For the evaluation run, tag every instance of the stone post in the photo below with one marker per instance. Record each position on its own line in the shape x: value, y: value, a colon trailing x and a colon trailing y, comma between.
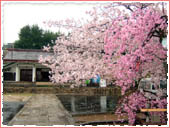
x: 73, y: 107
x: 103, y: 103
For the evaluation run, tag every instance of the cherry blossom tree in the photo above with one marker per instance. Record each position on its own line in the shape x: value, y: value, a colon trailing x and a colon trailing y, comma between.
x: 121, y: 44
x: 134, y: 51
x: 78, y: 56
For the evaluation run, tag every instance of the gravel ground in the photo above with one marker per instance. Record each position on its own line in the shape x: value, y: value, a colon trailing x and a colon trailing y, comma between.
x: 16, y: 97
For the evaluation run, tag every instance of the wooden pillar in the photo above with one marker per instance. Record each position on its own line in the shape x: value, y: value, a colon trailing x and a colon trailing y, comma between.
x: 17, y: 75
x: 147, y: 113
x: 34, y: 74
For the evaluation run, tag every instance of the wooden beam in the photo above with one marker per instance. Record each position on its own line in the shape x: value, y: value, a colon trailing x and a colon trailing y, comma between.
x: 98, y: 117
x: 154, y: 110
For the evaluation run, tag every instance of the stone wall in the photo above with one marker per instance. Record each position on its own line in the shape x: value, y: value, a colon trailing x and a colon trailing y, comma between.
x: 64, y: 90
x: 89, y: 91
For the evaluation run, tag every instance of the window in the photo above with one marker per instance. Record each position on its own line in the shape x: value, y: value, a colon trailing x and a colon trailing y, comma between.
x: 163, y: 84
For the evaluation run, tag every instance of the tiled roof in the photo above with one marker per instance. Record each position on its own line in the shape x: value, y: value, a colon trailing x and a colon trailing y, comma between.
x: 24, y: 55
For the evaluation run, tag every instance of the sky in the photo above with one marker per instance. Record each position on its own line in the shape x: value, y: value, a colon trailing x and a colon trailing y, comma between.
x: 16, y: 15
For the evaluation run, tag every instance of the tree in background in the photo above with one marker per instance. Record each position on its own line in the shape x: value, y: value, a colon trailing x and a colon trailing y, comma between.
x: 121, y: 45
x: 32, y: 37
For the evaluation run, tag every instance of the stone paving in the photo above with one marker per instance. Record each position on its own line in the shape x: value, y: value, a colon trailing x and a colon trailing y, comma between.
x: 43, y: 110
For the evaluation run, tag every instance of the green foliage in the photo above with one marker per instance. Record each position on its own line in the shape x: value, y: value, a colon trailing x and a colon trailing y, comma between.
x: 32, y: 37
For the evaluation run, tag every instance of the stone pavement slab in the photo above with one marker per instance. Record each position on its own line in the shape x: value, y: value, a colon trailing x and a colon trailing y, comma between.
x: 43, y: 110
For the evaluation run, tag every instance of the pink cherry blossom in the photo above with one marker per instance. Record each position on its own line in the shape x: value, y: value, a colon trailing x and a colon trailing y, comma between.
x: 119, y: 44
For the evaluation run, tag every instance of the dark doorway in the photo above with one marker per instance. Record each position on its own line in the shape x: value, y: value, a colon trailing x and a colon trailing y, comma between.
x: 26, y: 75
x: 9, y: 76
x: 42, y: 75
